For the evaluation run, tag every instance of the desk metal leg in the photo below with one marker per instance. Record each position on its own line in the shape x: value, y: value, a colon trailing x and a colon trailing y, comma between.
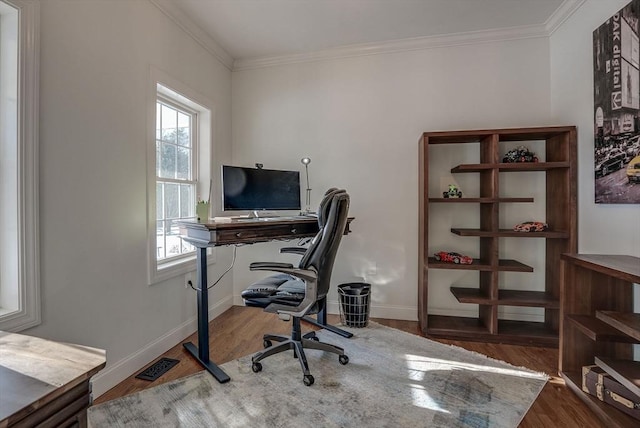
x: 201, y: 353
x: 321, y: 321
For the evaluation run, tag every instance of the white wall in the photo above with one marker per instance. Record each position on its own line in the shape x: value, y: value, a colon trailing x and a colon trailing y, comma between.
x: 95, y: 69
x: 603, y: 228
x: 359, y: 119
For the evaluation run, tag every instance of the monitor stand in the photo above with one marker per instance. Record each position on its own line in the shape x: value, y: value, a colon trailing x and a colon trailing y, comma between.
x: 256, y: 214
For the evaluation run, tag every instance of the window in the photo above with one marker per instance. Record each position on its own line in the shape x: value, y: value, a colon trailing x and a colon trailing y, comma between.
x: 176, y: 148
x: 179, y: 172
x: 19, y: 262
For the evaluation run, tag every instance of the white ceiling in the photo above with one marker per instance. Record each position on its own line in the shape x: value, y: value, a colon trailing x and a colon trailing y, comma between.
x: 251, y: 29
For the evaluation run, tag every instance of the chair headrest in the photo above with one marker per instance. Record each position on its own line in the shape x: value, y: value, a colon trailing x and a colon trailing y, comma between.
x: 325, y: 206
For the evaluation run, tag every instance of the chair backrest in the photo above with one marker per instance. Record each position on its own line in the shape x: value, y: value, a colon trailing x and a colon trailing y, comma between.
x: 332, y: 221
x: 323, y: 213
x: 324, y: 205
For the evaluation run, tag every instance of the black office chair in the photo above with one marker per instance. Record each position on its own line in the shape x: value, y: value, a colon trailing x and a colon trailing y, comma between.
x: 283, y: 294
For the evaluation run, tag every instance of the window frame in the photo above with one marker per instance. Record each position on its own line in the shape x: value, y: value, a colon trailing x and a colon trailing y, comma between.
x: 27, y: 262
x: 162, y: 86
x: 193, y: 181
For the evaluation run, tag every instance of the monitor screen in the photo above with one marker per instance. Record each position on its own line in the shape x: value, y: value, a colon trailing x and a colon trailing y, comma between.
x: 259, y: 189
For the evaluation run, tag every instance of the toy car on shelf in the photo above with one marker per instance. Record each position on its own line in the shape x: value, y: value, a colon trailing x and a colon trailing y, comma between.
x: 521, y: 154
x: 531, y: 226
x: 449, y: 257
x: 453, y: 192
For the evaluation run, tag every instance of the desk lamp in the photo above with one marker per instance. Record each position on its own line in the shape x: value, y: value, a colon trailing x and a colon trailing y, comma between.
x: 306, y: 162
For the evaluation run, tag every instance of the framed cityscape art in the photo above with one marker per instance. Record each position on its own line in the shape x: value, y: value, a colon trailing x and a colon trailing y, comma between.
x: 616, y: 95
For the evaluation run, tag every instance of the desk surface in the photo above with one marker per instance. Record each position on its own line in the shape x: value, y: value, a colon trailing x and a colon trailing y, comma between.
x: 235, y: 222
x: 33, y: 371
x: 250, y: 230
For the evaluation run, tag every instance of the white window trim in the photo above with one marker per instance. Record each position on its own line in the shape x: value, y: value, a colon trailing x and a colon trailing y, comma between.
x: 28, y: 313
x: 173, y: 89
x: 172, y: 102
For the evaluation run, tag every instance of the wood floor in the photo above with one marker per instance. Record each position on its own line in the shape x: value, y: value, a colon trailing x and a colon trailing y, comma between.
x: 239, y: 331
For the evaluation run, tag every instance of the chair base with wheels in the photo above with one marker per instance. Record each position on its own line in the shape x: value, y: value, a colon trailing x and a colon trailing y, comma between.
x: 298, y: 343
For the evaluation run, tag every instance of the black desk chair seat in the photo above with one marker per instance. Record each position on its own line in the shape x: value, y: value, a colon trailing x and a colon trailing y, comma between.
x: 299, y: 291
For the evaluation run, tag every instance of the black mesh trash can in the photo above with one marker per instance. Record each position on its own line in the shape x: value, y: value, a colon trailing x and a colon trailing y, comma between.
x: 355, y: 299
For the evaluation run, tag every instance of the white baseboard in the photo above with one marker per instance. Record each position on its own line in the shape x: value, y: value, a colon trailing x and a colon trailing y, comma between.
x: 120, y: 370
x: 383, y: 311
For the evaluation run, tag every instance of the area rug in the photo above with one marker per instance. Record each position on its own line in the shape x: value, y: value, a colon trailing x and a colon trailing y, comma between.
x: 392, y: 379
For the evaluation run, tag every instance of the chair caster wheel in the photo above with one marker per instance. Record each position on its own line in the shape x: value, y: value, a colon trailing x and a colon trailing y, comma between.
x: 308, y: 380
x: 256, y: 367
x: 266, y: 343
x: 343, y: 359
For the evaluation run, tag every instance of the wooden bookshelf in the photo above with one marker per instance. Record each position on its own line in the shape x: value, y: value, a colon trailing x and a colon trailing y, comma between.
x: 597, y: 330
x: 598, y: 326
x: 626, y: 322
x: 506, y: 297
x: 504, y: 233
x: 479, y: 200
x: 559, y: 169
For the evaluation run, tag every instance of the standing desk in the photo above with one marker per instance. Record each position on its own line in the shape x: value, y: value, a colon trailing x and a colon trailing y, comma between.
x: 240, y: 231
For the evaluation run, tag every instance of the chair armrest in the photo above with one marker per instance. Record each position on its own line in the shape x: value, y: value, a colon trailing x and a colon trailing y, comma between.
x: 310, y: 298
x: 304, y: 274
x: 269, y: 265
x: 310, y: 278
x: 294, y: 250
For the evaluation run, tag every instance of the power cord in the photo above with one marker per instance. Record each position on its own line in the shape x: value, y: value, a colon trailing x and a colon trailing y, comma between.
x: 233, y: 261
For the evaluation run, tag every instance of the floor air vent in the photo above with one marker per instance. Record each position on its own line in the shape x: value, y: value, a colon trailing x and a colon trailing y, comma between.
x: 157, y: 369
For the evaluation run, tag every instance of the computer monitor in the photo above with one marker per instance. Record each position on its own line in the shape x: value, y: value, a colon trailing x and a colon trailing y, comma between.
x: 257, y: 189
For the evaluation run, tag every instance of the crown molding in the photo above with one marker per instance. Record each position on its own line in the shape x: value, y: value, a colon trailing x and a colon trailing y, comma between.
x: 173, y: 12
x: 566, y: 9
x: 402, y: 45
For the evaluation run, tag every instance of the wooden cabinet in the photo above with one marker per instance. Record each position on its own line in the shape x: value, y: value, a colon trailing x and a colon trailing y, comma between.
x: 45, y: 383
x: 558, y: 165
x: 599, y: 327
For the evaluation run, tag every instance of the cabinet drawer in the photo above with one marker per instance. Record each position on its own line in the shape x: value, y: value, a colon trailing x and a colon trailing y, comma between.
x: 266, y: 233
